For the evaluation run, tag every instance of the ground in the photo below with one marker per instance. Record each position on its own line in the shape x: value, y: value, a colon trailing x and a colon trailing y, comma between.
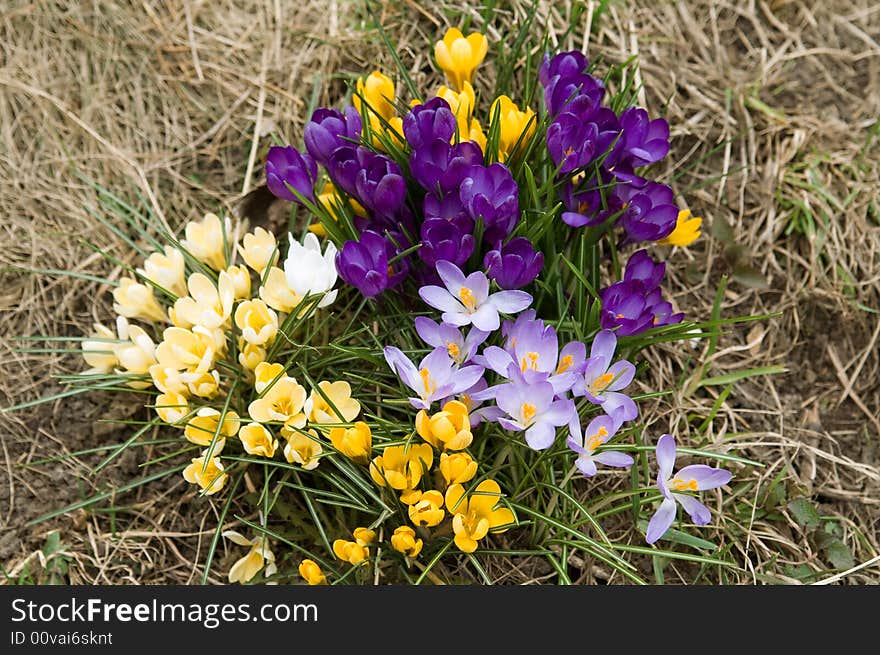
x: 773, y: 107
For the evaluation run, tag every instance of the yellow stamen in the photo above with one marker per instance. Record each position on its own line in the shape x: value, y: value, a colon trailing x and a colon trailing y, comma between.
x: 681, y: 485
x: 597, y: 439
x: 428, y: 381
x: 530, y: 361
x: 565, y: 364
x: 528, y: 411
x: 601, y: 382
x: 468, y: 299
x: 453, y: 349
x: 620, y: 316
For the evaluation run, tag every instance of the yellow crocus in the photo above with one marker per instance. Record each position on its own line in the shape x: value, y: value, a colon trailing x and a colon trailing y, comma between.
x: 265, y: 374
x: 404, y: 541
x: 276, y: 292
x: 332, y: 202
x: 259, y: 249
x: 312, y: 573
x: 98, y: 350
x: 249, y: 355
x: 207, y: 305
x: 374, y: 98
x: 318, y: 410
x: 449, y: 429
x: 166, y: 269
x: 203, y: 385
x: 201, y: 428
x: 191, y: 350
x: 171, y: 407
x: 459, y: 56
x: 281, y: 403
x: 687, y: 230
x: 241, y: 281
x: 258, y: 557
x: 402, y: 467
x: 428, y: 510
x: 132, y: 299
x: 457, y: 468
x: 355, y: 552
x: 517, y: 127
x: 212, y: 479
x: 475, y: 516
x: 257, y: 322
x: 462, y: 104
x: 257, y: 440
x: 204, y: 240
x: 355, y: 442
x: 303, y: 449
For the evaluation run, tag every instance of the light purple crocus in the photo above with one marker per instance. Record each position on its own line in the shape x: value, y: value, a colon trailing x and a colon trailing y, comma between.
x: 598, y: 432
x: 466, y: 300
x: 603, y: 380
x: 473, y: 398
x: 535, y: 409
x: 460, y: 348
x: 696, y: 477
x: 436, y: 377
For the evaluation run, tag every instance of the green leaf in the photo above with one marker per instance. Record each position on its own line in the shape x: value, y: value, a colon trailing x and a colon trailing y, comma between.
x: 804, y: 513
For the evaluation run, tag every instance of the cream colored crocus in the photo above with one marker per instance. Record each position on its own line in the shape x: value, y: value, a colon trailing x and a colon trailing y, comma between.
x: 517, y: 127
x: 281, y: 403
x: 259, y: 557
x: 132, y: 299
x: 457, y: 468
x: 136, y: 356
x: 210, y: 478
x: 207, y: 305
x: 266, y: 373
x: 459, y: 56
x: 474, y: 516
x: 276, y: 292
x: 449, y: 429
x: 257, y: 322
x: 257, y: 440
x: 404, y: 541
x: 428, y: 510
x: 169, y: 380
x: 205, y: 240
x: 241, y: 281
x: 687, y: 230
x: 319, y: 408
x: 303, y: 449
x: 171, y: 407
x: 204, y: 385
x: 202, y: 427
x: 99, y: 350
x: 192, y: 350
x: 259, y: 249
x: 312, y: 573
x: 249, y: 355
x: 355, y: 442
x: 166, y: 269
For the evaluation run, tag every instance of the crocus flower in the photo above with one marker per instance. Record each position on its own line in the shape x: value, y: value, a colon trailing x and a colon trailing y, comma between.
x: 603, y: 381
x: 687, y: 230
x: 241, y: 281
x: 436, y: 377
x: 402, y: 467
x: 132, y: 299
x: 649, y: 213
x: 204, y: 240
x: 167, y: 270
x: 330, y: 129
x: 135, y: 356
x: 171, y: 407
x: 581, y: 134
x: 425, y: 509
x: 565, y: 77
x: 491, y: 193
x: 257, y: 440
x: 460, y: 348
x: 598, y: 432
x: 355, y: 552
x: 258, y: 323
x: 364, y: 264
x: 355, y: 442
x: 287, y: 167
x: 249, y: 355
x: 466, y: 300
x: 191, y: 350
x: 259, y: 556
x: 280, y: 403
x: 308, y: 271
x: 444, y: 240
x: 404, y: 541
x: 515, y: 264
x: 461, y: 104
x: 311, y: 572
x: 457, y: 468
x: 696, y: 477
x: 207, y: 305
x: 449, y: 429
x: 210, y: 478
x: 318, y: 410
x: 98, y: 349
x: 474, y: 516
x: 429, y: 122
x: 374, y: 99
x: 202, y: 427
x: 303, y: 449
x: 277, y: 293
x: 516, y: 127
x: 535, y: 409
x: 259, y: 249
x: 379, y: 183
x: 459, y: 56
x: 643, y: 141
x: 644, y: 270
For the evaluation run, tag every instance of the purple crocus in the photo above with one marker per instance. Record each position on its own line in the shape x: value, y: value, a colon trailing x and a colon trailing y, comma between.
x: 587, y: 204
x: 603, y: 381
x: 581, y: 134
x: 535, y: 409
x: 379, y: 184
x: 696, y: 477
x: 598, y: 432
x: 644, y: 270
x: 436, y: 377
x: 330, y: 129
x: 428, y: 122
x: 466, y: 300
x: 460, y: 348
x: 444, y: 240
x: 491, y: 193
x: 635, y: 303
x: 364, y: 264
x: 515, y: 264
x: 565, y: 77
x: 649, y: 213
x: 286, y: 166
x: 642, y: 141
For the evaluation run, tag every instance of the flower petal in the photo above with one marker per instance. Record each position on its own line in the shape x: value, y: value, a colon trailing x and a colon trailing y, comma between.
x: 661, y: 521
x: 698, y: 512
x: 706, y: 477
x: 510, y: 302
x: 665, y: 454
x: 540, y: 436
x: 440, y: 298
x: 614, y: 458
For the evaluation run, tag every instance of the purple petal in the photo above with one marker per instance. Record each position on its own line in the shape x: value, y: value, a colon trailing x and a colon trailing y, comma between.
x: 614, y: 458
x: 604, y: 344
x: 698, y: 512
x: 451, y: 276
x: 429, y: 331
x: 706, y: 477
x: 586, y: 465
x: 623, y: 373
x: 619, y: 406
x: 440, y: 298
x: 665, y: 454
x: 661, y: 521
x: 540, y: 436
x: 497, y: 359
x: 402, y: 366
x: 510, y: 302
x: 465, y: 378
x: 507, y: 424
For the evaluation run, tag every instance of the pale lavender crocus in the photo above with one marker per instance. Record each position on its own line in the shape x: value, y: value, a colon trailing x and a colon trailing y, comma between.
x: 603, y: 380
x: 696, y: 477
x: 460, y: 348
x: 598, y: 432
x: 467, y: 301
x: 435, y: 378
x: 535, y: 409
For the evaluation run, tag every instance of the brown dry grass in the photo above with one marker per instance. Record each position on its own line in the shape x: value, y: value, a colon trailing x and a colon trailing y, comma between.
x: 773, y: 106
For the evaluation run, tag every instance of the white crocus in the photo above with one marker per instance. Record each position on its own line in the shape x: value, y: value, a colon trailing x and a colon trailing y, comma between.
x: 310, y: 272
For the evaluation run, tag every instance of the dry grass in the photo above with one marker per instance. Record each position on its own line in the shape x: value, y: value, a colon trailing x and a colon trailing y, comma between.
x: 774, y: 109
